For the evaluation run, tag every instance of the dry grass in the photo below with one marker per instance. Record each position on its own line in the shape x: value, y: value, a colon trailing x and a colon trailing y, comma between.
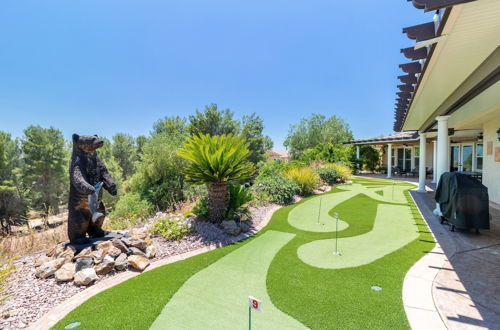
x: 16, y: 246
x: 6, y: 268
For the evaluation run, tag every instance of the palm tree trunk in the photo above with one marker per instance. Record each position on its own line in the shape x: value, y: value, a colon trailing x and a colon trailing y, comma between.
x: 217, y: 201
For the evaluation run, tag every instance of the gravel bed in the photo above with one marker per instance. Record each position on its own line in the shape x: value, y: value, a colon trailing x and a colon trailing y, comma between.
x: 31, y: 297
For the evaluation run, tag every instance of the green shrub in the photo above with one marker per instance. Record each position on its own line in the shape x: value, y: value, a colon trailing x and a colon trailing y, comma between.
x: 277, y: 167
x: 344, y: 172
x: 201, y: 208
x: 306, y: 179
x: 173, y: 227
x: 278, y: 189
x: 328, y: 175
x: 129, y: 209
x: 239, y: 196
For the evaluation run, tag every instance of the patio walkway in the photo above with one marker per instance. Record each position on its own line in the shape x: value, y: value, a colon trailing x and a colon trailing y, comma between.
x: 466, y: 290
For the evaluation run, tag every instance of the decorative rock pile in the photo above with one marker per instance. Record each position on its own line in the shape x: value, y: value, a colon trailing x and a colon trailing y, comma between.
x: 84, y: 264
x: 231, y: 227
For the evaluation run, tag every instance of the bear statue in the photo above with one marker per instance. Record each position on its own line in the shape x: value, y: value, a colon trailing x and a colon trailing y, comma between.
x: 88, y: 174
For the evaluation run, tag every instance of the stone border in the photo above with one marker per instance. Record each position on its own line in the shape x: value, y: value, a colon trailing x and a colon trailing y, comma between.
x: 418, y: 299
x: 60, y: 311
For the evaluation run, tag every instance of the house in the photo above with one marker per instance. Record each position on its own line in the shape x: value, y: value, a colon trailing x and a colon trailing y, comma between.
x: 278, y: 154
x: 448, y: 101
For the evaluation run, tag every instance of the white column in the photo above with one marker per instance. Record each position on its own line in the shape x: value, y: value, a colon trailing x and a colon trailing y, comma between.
x: 442, y: 151
x: 434, y: 162
x: 389, y: 160
x: 421, y: 164
x: 357, y: 152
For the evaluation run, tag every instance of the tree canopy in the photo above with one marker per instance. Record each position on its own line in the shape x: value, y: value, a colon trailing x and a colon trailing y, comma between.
x: 314, y: 130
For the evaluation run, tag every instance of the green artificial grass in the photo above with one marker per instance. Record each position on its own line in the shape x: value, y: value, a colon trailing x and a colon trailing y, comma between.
x: 305, y: 295
x: 343, y: 298
x: 219, y: 293
x: 394, y: 228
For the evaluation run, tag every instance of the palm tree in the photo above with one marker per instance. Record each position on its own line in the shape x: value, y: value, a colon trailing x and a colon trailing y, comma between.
x: 215, y: 160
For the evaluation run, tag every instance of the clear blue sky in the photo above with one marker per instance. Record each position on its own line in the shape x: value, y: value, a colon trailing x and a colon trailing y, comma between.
x: 103, y: 67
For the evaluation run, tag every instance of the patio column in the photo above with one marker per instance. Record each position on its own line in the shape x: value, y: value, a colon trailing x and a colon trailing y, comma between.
x: 442, y: 151
x: 421, y: 164
x: 357, y: 152
x: 434, y: 162
x: 389, y: 160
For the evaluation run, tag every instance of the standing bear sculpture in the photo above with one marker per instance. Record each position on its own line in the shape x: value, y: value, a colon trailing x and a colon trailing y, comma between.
x: 88, y: 174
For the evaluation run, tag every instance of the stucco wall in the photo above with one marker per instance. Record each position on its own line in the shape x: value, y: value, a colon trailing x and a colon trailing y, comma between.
x: 491, y: 169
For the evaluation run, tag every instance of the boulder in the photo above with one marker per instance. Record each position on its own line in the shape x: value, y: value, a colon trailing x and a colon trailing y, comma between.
x: 230, y: 227
x: 65, y: 273
x: 138, y: 262
x: 114, y: 251
x: 151, y: 251
x: 49, y: 268
x: 85, y: 276
x: 108, y: 259
x: 67, y: 254
x: 106, y: 245
x: 138, y: 243
x: 136, y: 251
x: 104, y: 267
x: 120, y: 245
x: 85, y: 253
x: 98, y: 255
x: 43, y: 259
x: 55, y: 251
x: 245, y: 226
x: 83, y: 263
x: 121, y: 262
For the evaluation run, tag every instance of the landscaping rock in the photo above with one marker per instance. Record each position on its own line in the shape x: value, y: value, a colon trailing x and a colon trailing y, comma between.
x: 85, y: 276
x: 65, y: 273
x: 151, y: 251
x: 124, y: 233
x: 98, y: 255
x: 230, y: 227
x: 245, y: 226
x: 49, y: 268
x: 83, y: 263
x: 108, y: 259
x: 121, y: 262
x: 85, y: 253
x: 67, y: 254
x: 136, y: 251
x: 104, y: 245
x: 114, y: 251
x: 138, y: 243
x: 120, y: 245
x: 104, y: 267
x: 40, y: 261
x: 138, y: 262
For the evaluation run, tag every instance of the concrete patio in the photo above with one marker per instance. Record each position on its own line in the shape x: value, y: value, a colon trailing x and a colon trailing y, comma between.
x: 465, y: 289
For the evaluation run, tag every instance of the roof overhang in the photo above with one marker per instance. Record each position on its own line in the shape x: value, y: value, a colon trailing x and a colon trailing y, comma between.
x: 473, y: 35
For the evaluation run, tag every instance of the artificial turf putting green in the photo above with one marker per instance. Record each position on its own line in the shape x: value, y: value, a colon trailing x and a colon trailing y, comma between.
x: 309, y: 217
x: 315, y: 297
x: 394, y: 221
x: 219, y: 292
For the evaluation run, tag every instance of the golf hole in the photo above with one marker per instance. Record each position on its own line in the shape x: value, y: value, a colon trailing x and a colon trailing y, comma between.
x: 72, y: 325
x: 376, y: 288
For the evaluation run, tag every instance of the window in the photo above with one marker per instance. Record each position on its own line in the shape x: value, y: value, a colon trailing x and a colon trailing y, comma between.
x: 417, y: 157
x: 400, y: 164
x: 479, y: 157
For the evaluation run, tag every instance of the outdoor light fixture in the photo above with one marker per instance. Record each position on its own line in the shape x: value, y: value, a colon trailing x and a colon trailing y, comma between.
x: 498, y: 132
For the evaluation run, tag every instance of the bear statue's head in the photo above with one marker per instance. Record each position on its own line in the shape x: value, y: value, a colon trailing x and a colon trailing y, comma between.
x: 87, y: 143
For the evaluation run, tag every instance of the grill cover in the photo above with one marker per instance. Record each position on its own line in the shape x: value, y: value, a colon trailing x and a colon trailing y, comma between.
x: 463, y: 201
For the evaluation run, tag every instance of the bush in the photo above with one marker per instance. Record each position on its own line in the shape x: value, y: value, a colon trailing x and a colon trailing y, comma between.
x: 278, y: 189
x: 343, y: 172
x: 277, y: 167
x: 173, y: 228
x: 306, y: 179
x: 129, y: 210
x: 328, y: 175
x: 238, y: 197
x: 201, y: 208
